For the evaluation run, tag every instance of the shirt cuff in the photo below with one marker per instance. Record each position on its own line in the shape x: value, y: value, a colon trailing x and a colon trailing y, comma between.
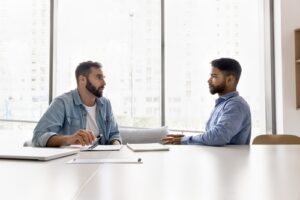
x: 42, y: 141
x: 185, y: 139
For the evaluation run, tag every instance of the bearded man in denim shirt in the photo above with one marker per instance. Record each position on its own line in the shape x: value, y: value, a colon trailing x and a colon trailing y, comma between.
x: 230, y: 121
x: 81, y: 115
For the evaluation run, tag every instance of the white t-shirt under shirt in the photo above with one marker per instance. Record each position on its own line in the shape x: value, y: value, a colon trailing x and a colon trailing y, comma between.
x: 91, y: 123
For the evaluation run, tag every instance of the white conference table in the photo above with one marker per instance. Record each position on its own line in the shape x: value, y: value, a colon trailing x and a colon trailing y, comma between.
x: 263, y: 172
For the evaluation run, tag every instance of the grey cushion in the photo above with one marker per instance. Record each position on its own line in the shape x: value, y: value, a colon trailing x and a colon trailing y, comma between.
x: 27, y: 143
x: 142, y: 135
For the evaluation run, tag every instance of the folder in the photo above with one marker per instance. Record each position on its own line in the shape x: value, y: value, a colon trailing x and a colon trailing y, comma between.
x: 147, y: 147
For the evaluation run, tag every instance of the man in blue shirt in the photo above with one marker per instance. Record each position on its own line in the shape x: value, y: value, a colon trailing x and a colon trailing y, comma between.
x: 81, y: 115
x: 230, y: 121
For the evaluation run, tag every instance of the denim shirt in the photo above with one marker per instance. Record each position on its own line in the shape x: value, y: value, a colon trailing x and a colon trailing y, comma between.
x: 229, y: 123
x: 67, y: 114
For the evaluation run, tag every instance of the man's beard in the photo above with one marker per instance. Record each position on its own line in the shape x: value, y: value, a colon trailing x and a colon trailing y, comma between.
x: 217, y: 89
x: 92, y: 89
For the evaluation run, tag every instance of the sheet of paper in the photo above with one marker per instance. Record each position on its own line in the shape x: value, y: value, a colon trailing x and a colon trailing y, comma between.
x: 106, y: 160
x: 97, y: 148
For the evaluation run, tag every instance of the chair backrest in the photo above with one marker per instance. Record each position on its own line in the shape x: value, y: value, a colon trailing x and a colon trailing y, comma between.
x: 276, y: 139
x: 27, y: 143
x: 142, y: 135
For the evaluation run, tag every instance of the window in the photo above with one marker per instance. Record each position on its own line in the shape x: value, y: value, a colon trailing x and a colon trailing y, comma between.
x: 24, y: 54
x: 198, y: 32
x: 125, y: 37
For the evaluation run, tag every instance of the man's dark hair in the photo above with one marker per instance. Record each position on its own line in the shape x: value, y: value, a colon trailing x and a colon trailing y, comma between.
x: 228, y: 66
x: 84, y: 68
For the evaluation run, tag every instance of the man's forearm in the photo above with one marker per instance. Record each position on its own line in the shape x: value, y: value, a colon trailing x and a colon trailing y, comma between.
x: 57, y: 141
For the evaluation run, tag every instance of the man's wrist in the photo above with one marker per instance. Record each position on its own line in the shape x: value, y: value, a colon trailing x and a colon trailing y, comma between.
x: 65, y: 140
x: 115, y: 141
x: 185, y: 140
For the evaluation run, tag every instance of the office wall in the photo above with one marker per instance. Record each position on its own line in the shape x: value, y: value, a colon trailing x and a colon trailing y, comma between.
x: 287, y: 18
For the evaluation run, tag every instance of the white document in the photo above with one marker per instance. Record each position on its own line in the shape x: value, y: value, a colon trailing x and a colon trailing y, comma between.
x: 97, y: 148
x: 103, y: 148
x: 106, y: 160
x: 148, y: 147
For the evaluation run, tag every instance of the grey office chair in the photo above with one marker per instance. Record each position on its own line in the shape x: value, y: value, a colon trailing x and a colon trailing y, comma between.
x: 27, y: 143
x: 276, y: 139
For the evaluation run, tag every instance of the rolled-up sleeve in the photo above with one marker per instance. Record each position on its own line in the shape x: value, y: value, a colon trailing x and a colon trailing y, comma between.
x: 50, y: 123
x: 114, y: 133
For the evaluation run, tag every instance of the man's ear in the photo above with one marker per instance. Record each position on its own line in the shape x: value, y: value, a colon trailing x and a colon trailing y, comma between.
x: 230, y: 80
x: 81, y: 79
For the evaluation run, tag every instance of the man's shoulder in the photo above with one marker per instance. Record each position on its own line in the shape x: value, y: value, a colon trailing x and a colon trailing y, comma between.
x: 238, y: 98
x: 67, y: 95
x: 238, y: 101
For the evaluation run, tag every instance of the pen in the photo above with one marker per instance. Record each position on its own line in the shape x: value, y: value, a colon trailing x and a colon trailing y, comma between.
x: 95, y: 143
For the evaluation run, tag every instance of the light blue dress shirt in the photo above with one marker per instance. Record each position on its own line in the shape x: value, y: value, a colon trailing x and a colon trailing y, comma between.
x: 229, y: 123
x: 67, y: 114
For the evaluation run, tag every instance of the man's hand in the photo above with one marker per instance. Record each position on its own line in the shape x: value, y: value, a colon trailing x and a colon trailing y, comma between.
x: 115, y: 142
x: 172, y: 139
x: 83, y: 137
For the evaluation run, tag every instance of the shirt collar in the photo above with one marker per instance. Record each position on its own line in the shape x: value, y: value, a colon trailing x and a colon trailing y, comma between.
x: 77, y: 99
x: 226, y: 97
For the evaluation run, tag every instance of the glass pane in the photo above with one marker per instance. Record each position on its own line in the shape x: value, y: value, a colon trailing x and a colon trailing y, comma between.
x: 200, y: 31
x: 123, y: 35
x: 24, y: 58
